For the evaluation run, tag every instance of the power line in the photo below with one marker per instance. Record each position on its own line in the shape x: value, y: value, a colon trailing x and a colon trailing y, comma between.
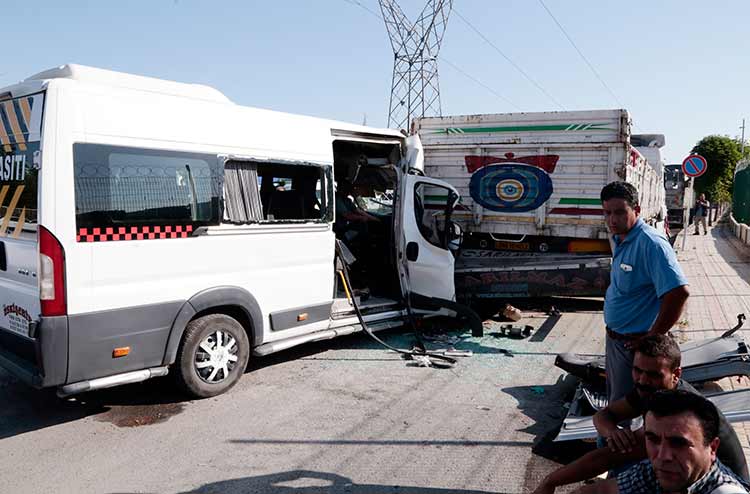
x: 582, y: 55
x: 508, y: 59
x: 355, y: 2
x: 477, y: 81
x: 453, y: 66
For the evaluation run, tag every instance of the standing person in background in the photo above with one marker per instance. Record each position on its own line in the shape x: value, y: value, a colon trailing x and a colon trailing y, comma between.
x: 701, y: 211
x: 647, y: 289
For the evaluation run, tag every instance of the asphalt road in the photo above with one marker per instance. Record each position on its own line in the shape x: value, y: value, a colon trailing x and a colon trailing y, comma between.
x: 345, y: 416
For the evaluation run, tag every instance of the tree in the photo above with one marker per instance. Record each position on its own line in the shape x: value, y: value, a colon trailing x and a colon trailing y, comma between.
x: 722, y: 154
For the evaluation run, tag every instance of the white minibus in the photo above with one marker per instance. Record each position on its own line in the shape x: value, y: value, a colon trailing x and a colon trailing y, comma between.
x: 150, y: 226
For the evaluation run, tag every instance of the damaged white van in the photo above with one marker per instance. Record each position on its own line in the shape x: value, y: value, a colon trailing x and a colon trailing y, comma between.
x: 150, y: 226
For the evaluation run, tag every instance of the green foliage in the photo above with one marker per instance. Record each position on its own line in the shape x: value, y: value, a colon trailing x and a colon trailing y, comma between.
x: 722, y: 154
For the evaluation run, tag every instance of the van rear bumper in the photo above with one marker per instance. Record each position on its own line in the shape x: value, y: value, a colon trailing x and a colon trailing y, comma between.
x: 42, y: 361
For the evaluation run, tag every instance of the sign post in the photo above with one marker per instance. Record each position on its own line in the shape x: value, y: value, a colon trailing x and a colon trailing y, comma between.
x: 693, y: 166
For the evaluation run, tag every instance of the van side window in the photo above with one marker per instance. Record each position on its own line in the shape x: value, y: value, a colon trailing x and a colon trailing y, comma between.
x: 275, y: 192
x: 121, y: 187
x: 430, y: 204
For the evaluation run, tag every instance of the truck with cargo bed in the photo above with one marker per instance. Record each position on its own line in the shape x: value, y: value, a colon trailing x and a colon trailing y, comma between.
x: 530, y: 185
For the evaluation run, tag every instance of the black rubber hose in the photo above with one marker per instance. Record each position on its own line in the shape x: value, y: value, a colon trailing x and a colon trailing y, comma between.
x: 411, y: 353
x: 434, y: 303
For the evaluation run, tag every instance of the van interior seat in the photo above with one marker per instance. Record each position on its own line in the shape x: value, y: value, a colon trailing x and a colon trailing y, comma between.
x: 286, y: 205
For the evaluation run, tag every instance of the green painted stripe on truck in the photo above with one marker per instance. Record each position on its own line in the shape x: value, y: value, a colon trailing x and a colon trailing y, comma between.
x: 579, y: 201
x: 524, y: 128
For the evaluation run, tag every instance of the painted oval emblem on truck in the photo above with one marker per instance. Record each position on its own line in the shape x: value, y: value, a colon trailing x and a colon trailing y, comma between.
x: 510, y: 188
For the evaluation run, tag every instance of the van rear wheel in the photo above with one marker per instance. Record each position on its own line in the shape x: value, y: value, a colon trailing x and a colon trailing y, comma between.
x: 213, y: 355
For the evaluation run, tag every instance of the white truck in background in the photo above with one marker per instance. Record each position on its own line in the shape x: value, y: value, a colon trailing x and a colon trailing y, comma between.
x: 530, y: 185
x: 678, y: 196
x: 649, y: 145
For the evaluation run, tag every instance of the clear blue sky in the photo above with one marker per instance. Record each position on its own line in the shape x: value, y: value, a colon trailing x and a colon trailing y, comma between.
x: 680, y: 67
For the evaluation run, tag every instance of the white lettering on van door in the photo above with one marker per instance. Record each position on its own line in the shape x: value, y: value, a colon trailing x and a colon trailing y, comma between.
x: 13, y: 167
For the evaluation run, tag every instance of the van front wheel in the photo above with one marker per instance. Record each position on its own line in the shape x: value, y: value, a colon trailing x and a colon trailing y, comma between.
x: 212, y: 356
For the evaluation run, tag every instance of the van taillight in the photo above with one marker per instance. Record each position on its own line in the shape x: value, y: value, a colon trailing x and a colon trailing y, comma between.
x: 51, y: 274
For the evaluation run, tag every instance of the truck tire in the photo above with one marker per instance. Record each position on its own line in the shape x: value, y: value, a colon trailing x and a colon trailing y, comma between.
x: 212, y: 356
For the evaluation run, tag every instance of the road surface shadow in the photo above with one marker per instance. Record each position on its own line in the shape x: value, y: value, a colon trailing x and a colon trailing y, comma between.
x: 732, y: 250
x: 27, y: 409
x: 546, y: 327
x: 311, y: 482
x: 150, y: 402
x: 545, y: 405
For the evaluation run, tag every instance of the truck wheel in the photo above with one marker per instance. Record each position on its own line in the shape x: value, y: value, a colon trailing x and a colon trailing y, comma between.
x: 213, y: 355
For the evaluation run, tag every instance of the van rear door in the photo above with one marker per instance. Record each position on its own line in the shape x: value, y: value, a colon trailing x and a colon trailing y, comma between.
x: 20, y: 157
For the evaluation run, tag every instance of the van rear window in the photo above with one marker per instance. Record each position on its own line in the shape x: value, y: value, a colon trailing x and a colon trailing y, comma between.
x: 20, y: 136
x: 121, y: 186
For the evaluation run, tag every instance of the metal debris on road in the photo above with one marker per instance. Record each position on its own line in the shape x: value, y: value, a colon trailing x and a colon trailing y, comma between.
x: 510, y: 312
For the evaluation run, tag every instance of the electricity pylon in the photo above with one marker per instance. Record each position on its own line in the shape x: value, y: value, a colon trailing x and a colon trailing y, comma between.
x: 415, y: 90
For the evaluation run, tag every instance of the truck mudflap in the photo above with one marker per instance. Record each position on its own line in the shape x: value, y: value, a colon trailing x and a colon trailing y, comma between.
x: 579, y: 421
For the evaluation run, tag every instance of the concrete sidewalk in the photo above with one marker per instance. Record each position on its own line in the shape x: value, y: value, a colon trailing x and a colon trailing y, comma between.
x: 718, y: 268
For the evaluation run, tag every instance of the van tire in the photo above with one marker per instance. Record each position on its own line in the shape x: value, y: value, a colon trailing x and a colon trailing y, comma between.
x: 233, y: 352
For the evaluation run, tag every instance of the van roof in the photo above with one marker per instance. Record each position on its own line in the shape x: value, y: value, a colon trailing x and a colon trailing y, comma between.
x: 120, y: 79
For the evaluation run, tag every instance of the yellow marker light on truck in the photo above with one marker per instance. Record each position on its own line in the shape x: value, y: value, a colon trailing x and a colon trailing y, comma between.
x: 302, y: 317
x: 589, y: 246
x: 121, y: 352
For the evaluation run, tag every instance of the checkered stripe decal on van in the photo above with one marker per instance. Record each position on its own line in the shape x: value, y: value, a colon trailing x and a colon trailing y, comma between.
x: 113, y: 234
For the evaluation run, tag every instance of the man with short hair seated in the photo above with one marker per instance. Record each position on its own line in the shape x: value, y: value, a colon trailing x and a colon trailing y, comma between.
x: 681, y: 432
x: 656, y: 366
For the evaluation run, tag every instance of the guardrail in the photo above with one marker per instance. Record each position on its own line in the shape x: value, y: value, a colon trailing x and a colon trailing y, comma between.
x: 741, y: 230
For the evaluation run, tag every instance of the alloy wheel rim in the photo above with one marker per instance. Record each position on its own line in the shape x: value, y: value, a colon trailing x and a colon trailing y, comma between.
x: 216, y: 356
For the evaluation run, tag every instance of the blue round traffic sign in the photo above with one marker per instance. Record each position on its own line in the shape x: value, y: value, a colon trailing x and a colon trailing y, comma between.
x: 694, y: 165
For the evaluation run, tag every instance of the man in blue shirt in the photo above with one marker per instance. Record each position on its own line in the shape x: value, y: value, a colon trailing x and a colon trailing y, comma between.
x: 647, y: 290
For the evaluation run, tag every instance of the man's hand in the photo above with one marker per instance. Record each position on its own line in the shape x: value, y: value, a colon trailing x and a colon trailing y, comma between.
x: 544, y: 488
x: 621, y: 441
x: 670, y: 310
x: 633, y: 344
